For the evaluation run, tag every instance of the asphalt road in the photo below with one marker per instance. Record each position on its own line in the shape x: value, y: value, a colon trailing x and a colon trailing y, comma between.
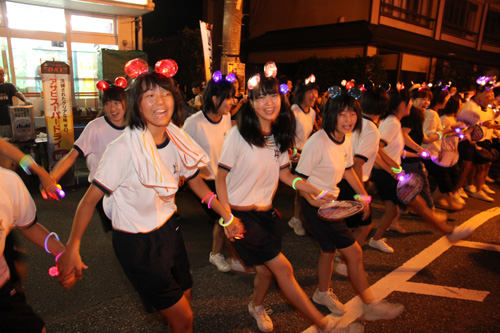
x: 105, y: 302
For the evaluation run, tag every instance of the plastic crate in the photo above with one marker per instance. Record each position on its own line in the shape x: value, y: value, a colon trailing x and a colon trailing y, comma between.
x: 22, y: 122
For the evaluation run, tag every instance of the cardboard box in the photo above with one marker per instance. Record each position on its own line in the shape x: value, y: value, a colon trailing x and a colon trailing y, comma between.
x: 22, y: 122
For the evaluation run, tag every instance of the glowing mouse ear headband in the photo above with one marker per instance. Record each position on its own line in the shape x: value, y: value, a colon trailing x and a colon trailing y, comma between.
x: 138, y: 66
x: 270, y: 70
x: 486, y: 82
x: 218, y: 77
x: 119, y: 82
x: 336, y: 91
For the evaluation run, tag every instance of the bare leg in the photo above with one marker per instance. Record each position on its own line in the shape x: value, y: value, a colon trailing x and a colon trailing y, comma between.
x: 438, y: 221
x: 261, y: 283
x: 464, y: 172
x: 354, y: 260
x: 297, y: 210
x: 391, y: 211
x: 325, y: 270
x: 217, y: 238
x: 179, y: 316
x: 361, y: 233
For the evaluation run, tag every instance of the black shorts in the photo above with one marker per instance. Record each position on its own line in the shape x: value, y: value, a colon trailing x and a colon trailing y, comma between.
x: 330, y: 235
x: 162, y: 278
x: 262, y: 241
x: 213, y: 215
x: 386, y: 186
x: 466, y: 150
x: 15, y: 314
x: 481, y: 159
x: 348, y: 193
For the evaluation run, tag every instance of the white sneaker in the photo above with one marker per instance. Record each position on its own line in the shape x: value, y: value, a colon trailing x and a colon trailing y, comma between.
x: 459, y: 233
x: 333, y: 327
x: 340, y: 267
x: 380, y: 245
x: 471, y: 188
x: 487, y: 189
x: 462, y: 193
x: 382, y: 310
x: 237, y: 266
x: 296, y: 225
x: 219, y: 261
x: 458, y: 199
x: 330, y: 300
x: 480, y: 195
x: 259, y: 313
x: 489, y: 179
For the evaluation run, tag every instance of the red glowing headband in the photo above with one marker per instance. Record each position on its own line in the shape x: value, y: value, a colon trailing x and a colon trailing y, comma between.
x: 119, y: 82
x: 138, y: 66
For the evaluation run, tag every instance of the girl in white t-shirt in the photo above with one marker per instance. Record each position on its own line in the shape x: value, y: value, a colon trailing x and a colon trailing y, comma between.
x: 94, y: 139
x: 326, y: 158
x: 139, y: 174
x: 208, y: 128
x: 384, y: 175
x: 305, y: 122
x: 254, y: 159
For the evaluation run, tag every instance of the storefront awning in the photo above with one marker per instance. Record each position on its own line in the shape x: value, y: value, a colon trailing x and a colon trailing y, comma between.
x: 113, y: 7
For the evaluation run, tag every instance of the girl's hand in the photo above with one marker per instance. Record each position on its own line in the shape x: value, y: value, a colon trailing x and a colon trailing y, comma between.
x: 235, y: 230
x: 366, y: 211
x: 70, y: 267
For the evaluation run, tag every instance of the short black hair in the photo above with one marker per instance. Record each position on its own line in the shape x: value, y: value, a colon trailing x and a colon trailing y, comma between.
x: 142, y: 84
x: 300, y: 90
x: 113, y: 93
x: 396, y: 98
x: 375, y: 101
x: 222, y: 90
x: 333, y: 108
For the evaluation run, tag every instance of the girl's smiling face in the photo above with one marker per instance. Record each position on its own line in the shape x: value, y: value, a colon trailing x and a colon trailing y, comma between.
x: 115, y: 112
x: 346, y: 121
x: 267, y: 108
x: 157, y: 107
x: 421, y: 103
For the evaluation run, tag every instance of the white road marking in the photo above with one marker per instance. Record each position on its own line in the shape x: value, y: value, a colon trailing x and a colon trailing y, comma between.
x: 397, y: 279
x: 443, y: 291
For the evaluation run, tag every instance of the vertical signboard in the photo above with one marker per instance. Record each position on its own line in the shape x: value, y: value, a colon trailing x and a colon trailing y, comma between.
x: 206, y: 39
x: 58, y: 109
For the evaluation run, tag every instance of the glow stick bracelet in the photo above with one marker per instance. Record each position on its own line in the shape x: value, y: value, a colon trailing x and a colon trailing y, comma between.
x: 210, y: 200
x: 294, y: 181
x: 321, y: 195
x: 294, y: 152
x: 364, y: 198
x: 60, y: 191
x: 440, y: 135
x: 26, y: 162
x: 209, y: 194
x: 47, y: 239
x: 221, y: 221
x: 397, y: 170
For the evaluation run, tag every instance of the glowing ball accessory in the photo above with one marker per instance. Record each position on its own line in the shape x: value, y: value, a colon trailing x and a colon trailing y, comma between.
x: 349, y: 85
x: 60, y: 191
x: 424, y: 154
x: 231, y: 77
x: 343, y: 83
x: 136, y: 67
x: 337, y: 211
x: 400, y: 86
x: 334, y: 91
x: 166, y: 67
x: 121, y: 82
x: 217, y: 76
x: 253, y: 81
x: 270, y: 69
x: 284, y: 88
x: 102, y: 85
x: 354, y: 92
x: 53, y: 271
x: 409, y: 186
x: 311, y: 79
x: 482, y: 80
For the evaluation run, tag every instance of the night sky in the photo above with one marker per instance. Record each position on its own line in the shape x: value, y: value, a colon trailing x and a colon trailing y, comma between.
x: 171, y: 16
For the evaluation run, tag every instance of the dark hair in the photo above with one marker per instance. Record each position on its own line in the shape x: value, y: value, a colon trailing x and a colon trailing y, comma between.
x: 283, y: 128
x: 142, y: 84
x: 301, y: 89
x: 451, y: 106
x: 439, y: 96
x: 396, y: 98
x: 375, y: 101
x: 333, y: 108
x: 421, y: 93
x: 222, y: 90
x: 113, y: 93
x: 197, y: 85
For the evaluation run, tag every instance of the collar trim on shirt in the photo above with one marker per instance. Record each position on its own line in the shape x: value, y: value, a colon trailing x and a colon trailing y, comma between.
x: 333, y: 139
x: 121, y: 128
x: 368, y: 118
x: 164, y: 144
x: 210, y: 120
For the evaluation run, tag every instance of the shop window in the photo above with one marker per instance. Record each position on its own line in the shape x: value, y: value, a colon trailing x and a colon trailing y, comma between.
x: 92, y: 24
x: 417, y: 12
x: 27, y: 17
x: 460, y: 18
x: 85, y: 66
x: 492, y: 28
x: 28, y: 56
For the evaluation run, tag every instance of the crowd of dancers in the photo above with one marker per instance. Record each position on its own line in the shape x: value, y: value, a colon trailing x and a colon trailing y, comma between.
x: 327, y: 148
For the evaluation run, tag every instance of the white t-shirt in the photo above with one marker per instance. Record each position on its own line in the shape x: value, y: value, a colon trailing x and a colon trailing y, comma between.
x: 432, y: 124
x: 365, y: 144
x: 253, y: 171
x: 483, y: 116
x: 324, y: 161
x: 304, y: 123
x: 94, y: 139
x: 209, y: 136
x: 392, y: 136
x: 17, y: 210
x: 137, y: 208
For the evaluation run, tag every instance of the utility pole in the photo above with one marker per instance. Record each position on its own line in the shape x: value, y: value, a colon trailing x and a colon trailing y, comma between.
x: 231, y: 39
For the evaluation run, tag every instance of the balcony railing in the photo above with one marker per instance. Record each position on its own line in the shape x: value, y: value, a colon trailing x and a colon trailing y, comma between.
x: 406, y: 15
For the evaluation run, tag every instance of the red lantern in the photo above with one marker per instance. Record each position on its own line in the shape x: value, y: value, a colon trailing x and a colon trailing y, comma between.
x: 166, y: 67
x: 136, y: 67
x: 121, y: 82
x: 102, y: 85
